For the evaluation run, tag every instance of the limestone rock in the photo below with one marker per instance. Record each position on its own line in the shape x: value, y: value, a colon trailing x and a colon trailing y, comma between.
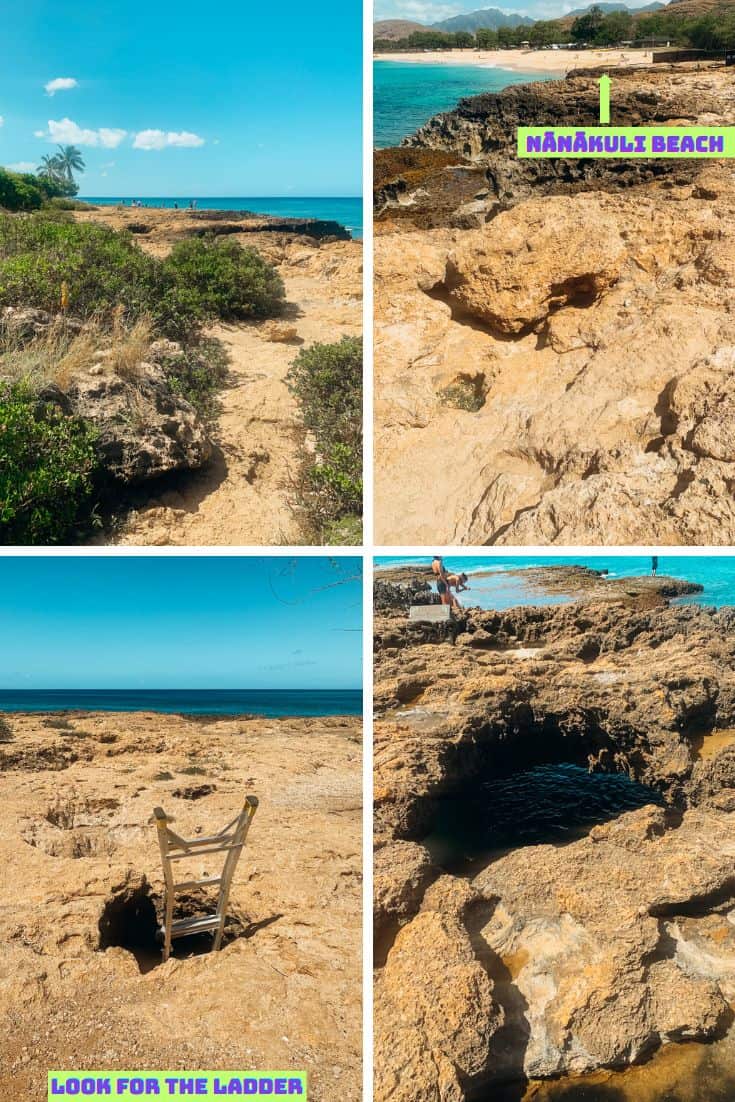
x: 528, y: 263
x: 145, y: 429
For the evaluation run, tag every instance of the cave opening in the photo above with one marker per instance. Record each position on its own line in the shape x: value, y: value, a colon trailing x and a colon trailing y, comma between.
x: 545, y: 804
x: 534, y: 780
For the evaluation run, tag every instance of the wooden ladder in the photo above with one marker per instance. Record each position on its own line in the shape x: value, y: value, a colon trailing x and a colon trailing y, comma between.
x: 230, y: 841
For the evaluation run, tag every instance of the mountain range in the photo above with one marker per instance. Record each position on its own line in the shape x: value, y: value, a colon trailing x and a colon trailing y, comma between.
x: 492, y: 18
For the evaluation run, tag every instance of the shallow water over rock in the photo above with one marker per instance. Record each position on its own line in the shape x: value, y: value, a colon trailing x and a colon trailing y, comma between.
x: 677, y: 1073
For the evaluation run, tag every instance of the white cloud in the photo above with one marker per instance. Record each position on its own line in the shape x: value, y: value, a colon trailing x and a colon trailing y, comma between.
x: 60, y: 84
x: 39, y: 134
x: 160, y: 139
x: 66, y: 132
x: 22, y: 166
x: 2, y: 121
x: 418, y: 11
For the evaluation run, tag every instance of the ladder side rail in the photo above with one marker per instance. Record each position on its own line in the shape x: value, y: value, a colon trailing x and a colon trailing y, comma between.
x: 245, y: 819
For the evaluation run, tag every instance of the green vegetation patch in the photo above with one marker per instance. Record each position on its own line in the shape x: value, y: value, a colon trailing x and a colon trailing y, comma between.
x: 48, y: 261
x: 228, y: 281
x: 467, y: 392
x: 198, y: 373
x: 47, y: 469
x: 326, y: 380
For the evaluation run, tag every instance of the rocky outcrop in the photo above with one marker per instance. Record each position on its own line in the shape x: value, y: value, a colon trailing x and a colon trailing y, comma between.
x: 599, y: 951
x: 593, y: 330
x: 599, y: 327
x: 480, y: 136
x: 145, y: 429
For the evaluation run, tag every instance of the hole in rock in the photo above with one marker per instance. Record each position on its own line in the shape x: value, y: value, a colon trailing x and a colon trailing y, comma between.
x: 74, y: 828
x: 131, y: 919
x: 465, y: 391
x: 546, y: 804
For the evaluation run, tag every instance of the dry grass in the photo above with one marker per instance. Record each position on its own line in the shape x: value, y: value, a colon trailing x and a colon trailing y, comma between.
x: 61, y: 353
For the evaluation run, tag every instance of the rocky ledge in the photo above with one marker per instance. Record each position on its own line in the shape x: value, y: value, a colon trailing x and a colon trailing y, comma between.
x: 543, y: 960
x: 555, y: 365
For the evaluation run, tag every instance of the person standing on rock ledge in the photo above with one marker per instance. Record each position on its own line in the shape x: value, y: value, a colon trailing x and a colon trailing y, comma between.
x: 439, y: 570
x: 654, y: 565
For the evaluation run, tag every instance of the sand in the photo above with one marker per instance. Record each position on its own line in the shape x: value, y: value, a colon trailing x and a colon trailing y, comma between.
x: 76, y: 828
x: 525, y: 61
x: 246, y: 495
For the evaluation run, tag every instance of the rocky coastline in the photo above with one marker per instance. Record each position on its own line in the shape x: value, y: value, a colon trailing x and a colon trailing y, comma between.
x: 82, y: 983
x: 573, y: 959
x: 540, y: 375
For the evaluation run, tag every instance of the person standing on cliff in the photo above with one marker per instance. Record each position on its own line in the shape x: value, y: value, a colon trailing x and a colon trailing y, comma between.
x: 654, y: 565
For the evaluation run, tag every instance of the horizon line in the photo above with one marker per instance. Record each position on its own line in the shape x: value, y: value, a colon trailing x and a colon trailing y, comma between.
x: 181, y: 689
x: 139, y: 195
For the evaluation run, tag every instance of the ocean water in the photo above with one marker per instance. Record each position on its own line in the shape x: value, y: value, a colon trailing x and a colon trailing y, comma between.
x: 346, y: 210
x: 407, y: 94
x: 223, y: 702
x: 500, y: 590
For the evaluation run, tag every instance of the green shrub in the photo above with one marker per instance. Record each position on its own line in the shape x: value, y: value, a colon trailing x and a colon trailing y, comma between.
x: 47, y: 466
x: 326, y: 380
x: 229, y: 282
x: 62, y: 202
x: 198, y: 373
x: 103, y: 269
x: 20, y: 191
x: 106, y: 271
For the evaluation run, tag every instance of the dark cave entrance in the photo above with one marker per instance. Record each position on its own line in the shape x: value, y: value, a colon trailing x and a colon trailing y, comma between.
x: 546, y: 804
x: 535, y: 779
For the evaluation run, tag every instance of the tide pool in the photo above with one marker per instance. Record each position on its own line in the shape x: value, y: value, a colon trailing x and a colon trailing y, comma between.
x: 497, y: 589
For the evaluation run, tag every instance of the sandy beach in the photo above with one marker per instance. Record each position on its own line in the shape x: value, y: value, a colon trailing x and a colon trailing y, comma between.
x: 530, y: 61
x: 77, y: 843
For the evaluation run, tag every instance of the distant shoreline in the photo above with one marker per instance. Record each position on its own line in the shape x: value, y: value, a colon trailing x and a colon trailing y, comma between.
x: 345, y: 210
x: 531, y: 61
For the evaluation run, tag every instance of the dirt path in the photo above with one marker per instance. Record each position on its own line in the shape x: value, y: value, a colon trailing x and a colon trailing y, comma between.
x: 245, y: 496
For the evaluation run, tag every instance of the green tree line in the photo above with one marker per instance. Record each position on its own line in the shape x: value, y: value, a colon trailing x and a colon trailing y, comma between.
x: 713, y: 31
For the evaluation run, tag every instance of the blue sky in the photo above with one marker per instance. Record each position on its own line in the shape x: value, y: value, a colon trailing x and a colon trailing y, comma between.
x: 180, y: 622
x: 179, y: 99
x: 433, y: 11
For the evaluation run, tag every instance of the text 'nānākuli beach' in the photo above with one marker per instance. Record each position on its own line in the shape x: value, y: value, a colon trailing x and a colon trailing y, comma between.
x: 638, y: 141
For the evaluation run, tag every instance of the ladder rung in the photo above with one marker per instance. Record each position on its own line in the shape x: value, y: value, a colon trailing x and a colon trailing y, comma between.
x: 181, y: 855
x: 184, y: 926
x: 194, y: 843
x: 207, y: 882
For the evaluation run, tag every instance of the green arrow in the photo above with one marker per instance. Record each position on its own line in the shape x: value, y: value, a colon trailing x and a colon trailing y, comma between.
x: 605, y: 99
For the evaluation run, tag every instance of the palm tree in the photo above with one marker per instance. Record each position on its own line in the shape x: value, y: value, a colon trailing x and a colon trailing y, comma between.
x: 70, y: 160
x: 51, y: 168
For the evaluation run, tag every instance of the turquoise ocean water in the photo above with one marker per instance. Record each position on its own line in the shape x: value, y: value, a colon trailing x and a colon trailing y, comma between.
x: 224, y: 702
x: 501, y: 590
x: 407, y: 94
x: 346, y: 210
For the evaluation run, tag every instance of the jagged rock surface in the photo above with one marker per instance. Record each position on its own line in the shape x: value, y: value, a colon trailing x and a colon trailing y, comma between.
x: 599, y: 951
x: 596, y: 329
